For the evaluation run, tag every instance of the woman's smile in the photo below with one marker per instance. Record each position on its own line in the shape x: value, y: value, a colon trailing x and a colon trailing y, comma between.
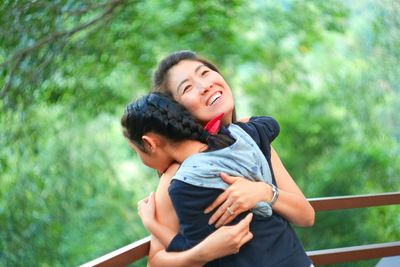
x: 213, y: 98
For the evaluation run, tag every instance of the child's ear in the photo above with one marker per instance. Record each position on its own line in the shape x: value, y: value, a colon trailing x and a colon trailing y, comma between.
x: 150, y: 143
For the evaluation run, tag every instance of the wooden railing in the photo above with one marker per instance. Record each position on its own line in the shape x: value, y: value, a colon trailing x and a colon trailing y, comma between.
x: 140, y: 249
x: 373, y: 251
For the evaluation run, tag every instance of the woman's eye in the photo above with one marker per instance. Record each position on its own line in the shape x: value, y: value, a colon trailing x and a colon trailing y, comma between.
x: 204, y: 72
x: 186, y: 88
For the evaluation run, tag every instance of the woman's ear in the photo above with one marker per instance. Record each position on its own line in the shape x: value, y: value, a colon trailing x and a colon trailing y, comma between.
x: 150, y: 143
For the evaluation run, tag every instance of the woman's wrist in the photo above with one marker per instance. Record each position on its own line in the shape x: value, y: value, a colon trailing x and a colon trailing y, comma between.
x: 164, y: 234
x: 206, y: 251
x: 265, y: 191
x: 275, y: 195
x: 197, y: 256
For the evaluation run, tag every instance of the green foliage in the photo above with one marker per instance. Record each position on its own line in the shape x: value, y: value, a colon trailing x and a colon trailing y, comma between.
x: 62, y: 190
x: 327, y: 70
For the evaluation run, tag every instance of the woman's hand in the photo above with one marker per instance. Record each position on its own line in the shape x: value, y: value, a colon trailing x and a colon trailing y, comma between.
x: 241, y: 196
x: 147, y: 212
x: 226, y: 240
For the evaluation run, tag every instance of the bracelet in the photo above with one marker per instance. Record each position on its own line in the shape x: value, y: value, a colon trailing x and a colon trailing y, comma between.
x: 275, y: 195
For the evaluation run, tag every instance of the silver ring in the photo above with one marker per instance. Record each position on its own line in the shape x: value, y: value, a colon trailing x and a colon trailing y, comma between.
x: 228, y: 209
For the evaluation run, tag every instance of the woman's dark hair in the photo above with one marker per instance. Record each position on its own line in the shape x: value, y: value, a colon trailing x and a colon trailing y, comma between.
x: 160, y: 76
x: 161, y: 114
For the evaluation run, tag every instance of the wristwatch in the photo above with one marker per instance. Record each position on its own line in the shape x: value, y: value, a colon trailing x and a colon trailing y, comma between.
x: 275, y: 195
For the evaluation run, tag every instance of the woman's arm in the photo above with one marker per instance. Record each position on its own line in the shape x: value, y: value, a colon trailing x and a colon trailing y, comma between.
x: 243, y: 195
x: 291, y: 204
x: 225, y: 241
x: 147, y: 213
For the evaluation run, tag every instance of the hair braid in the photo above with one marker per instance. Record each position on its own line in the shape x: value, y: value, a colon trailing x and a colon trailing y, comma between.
x: 159, y: 113
x: 176, y: 118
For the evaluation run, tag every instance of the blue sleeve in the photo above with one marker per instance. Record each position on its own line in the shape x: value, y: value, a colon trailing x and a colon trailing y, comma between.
x: 190, y: 202
x: 178, y: 243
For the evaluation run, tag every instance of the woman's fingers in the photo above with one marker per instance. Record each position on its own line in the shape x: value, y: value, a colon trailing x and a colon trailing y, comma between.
x: 245, y: 223
x: 227, y: 240
x: 221, y: 220
x: 244, y: 229
x: 222, y: 211
x: 226, y: 212
x: 230, y: 213
x: 227, y: 217
x: 246, y: 238
x: 151, y: 199
x: 146, y: 210
x: 227, y: 178
x: 220, y: 199
x: 144, y: 200
x: 238, y: 198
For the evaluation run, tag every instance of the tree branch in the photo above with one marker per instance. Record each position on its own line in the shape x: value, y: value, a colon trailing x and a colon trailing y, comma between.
x: 20, y: 55
x: 89, y: 7
x: 10, y: 76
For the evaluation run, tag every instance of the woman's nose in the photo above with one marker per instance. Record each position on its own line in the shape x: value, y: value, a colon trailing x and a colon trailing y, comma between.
x: 204, y: 87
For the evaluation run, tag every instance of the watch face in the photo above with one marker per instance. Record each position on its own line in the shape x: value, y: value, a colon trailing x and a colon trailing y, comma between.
x: 275, y: 194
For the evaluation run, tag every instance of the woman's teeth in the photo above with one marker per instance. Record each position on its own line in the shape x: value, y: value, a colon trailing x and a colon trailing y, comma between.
x: 213, y: 99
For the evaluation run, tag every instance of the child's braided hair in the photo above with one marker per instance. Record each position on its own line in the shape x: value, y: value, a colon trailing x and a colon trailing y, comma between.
x: 160, y: 114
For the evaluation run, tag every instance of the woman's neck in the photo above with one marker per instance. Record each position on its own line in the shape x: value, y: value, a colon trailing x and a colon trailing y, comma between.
x: 227, y: 119
x: 184, y: 149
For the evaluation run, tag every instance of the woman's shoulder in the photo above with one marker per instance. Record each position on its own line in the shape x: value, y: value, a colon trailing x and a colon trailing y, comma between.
x: 266, y: 121
x: 261, y: 126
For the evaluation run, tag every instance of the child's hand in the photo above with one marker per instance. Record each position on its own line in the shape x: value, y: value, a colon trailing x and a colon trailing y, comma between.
x: 147, y: 212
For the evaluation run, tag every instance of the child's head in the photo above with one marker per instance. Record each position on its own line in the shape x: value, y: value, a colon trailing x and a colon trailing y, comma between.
x: 159, y: 114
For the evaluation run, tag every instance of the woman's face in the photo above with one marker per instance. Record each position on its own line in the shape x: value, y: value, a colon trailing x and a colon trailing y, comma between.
x: 201, y: 90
